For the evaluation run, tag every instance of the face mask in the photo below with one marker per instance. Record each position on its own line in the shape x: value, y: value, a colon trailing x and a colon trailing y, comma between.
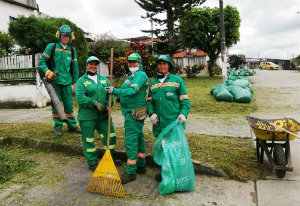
x: 133, y: 69
x: 160, y: 76
x: 91, y: 73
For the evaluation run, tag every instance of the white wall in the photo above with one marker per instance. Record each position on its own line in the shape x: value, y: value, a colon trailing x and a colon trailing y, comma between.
x: 7, y: 10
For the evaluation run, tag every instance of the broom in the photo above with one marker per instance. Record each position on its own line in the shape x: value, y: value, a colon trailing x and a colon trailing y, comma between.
x: 106, y: 180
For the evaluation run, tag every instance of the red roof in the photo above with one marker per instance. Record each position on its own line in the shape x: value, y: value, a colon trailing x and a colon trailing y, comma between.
x: 198, y: 53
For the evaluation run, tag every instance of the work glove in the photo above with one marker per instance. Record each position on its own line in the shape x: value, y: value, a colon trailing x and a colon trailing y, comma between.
x: 181, y: 118
x: 100, y: 106
x: 109, y: 89
x: 154, y: 119
x: 49, y: 74
x: 118, y: 99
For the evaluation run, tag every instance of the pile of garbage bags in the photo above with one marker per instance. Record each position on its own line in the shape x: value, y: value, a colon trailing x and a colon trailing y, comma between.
x: 237, y: 88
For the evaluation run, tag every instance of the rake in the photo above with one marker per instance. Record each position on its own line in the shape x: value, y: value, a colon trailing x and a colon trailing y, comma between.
x: 106, y: 180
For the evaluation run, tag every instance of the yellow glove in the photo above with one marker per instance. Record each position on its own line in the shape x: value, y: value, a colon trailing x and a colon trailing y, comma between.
x: 49, y: 74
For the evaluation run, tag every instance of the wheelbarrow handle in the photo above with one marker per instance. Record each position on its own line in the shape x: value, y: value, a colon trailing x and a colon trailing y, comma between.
x: 274, y: 125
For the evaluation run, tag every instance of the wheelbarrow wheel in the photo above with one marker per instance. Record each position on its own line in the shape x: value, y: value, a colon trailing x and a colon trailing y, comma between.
x: 279, y: 159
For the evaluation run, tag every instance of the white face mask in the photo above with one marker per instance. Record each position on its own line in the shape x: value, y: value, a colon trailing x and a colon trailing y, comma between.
x: 133, y: 69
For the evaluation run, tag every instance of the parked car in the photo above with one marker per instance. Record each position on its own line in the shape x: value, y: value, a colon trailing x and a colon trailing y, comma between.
x: 268, y: 65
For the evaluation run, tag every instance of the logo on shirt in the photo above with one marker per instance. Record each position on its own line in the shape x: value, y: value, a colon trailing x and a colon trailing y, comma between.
x: 86, y: 83
x: 127, y: 81
x: 69, y: 58
x: 169, y: 94
x: 103, y: 81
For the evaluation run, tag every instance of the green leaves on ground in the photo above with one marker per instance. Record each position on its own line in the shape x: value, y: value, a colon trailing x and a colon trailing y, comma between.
x: 10, y: 166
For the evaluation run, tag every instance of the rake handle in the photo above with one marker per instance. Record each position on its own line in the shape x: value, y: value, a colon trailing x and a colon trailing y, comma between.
x: 110, y: 95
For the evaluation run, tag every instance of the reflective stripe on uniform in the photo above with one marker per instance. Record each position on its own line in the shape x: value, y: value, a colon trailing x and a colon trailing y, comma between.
x: 183, y: 97
x: 69, y: 115
x: 164, y: 84
x: 135, y: 85
x: 110, y: 146
x: 91, y: 149
x: 101, y: 136
x: 63, y: 50
x: 131, y: 162
x: 74, y: 60
x: 89, y: 139
x: 141, y: 155
x: 112, y: 134
x: 46, y: 55
x: 55, y: 115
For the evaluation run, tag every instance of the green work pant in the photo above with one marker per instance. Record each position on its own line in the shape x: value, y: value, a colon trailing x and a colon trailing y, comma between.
x: 134, y: 143
x: 64, y: 94
x: 87, y: 129
x: 163, y: 123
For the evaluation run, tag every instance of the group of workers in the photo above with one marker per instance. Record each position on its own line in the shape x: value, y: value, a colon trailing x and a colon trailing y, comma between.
x: 167, y: 101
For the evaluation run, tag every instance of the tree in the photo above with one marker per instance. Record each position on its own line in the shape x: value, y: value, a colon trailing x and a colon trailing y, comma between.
x: 104, y: 42
x: 200, y: 29
x: 173, y: 9
x: 6, y: 44
x: 235, y: 60
x: 33, y: 35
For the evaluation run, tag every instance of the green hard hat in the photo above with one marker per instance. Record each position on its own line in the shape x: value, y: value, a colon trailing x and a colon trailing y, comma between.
x: 135, y: 57
x: 92, y: 59
x: 65, y: 30
x: 165, y: 58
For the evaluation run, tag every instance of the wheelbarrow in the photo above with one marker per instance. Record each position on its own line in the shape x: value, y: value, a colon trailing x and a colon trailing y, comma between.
x: 273, y: 138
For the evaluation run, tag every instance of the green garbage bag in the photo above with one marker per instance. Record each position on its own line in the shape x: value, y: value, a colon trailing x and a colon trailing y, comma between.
x: 212, y: 91
x: 240, y: 94
x: 222, y: 94
x: 171, y: 151
x: 242, y: 83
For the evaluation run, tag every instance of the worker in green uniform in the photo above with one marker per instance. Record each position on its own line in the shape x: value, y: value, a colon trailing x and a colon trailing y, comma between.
x: 93, y: 100
x: 167, y: 98
x: 134, y: 109
x: 64, y: 70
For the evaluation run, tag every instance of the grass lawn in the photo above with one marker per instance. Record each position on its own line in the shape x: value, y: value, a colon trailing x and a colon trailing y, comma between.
x: 235, y: 156
x: 202, y: 102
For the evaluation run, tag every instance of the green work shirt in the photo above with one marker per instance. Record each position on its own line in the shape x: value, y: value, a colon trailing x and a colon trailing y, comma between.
x: 88, y: 93
x: 169, y: 98
x: 62, y: 59
x: 133, y: 91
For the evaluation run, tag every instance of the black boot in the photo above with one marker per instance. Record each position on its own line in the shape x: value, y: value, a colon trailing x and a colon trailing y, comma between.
x: 141, y: 170
x: 158, y: 177
x: 93, y: 167
x: 126, y: 178
x: 76, y: 130
x: 58, y: 132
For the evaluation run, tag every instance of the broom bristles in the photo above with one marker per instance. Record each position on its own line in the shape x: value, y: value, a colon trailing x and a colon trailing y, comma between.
x: 106, y: 186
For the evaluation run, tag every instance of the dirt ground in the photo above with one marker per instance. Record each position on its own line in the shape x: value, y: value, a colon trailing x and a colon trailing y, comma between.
x: 277, y: 95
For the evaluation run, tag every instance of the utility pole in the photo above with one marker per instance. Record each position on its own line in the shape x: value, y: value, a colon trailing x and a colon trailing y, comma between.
x: 151, y: 20
x: 223, y: 44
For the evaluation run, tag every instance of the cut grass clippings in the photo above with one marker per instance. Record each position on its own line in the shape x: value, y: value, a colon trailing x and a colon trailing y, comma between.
x: 235, y: 156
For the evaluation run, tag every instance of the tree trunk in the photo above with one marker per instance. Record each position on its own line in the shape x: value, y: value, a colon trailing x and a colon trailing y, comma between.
x: 211, y: 64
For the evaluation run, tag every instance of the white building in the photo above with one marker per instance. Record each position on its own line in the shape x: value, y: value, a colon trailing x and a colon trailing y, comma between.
x: 11, y: 9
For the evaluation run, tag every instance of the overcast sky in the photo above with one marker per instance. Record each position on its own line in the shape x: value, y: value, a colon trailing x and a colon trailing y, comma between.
x: 269, y: 28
